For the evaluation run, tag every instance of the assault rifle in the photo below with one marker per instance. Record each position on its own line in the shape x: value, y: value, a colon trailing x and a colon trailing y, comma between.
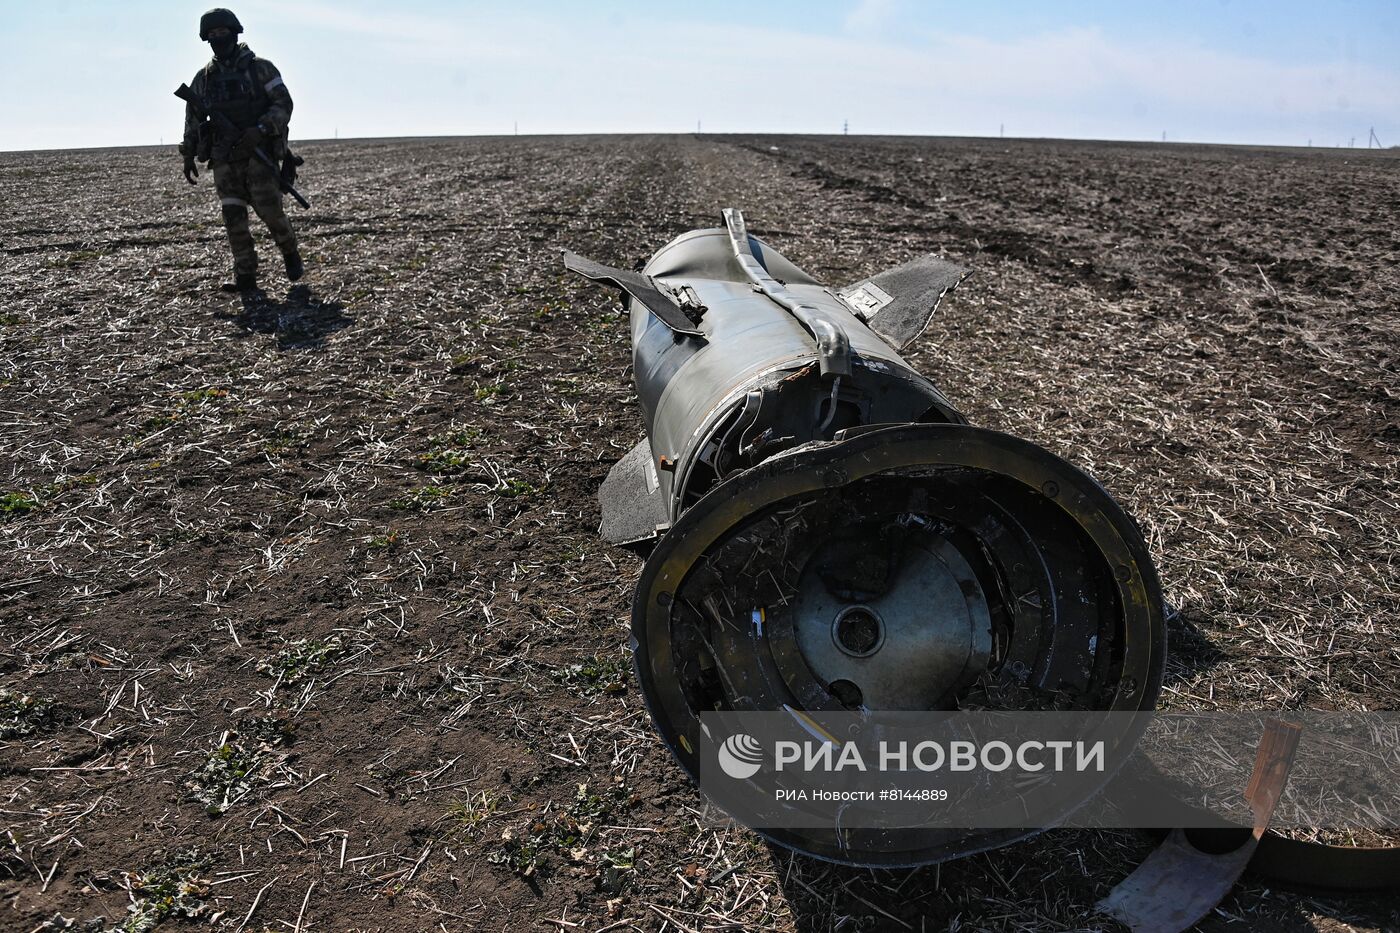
x: 185, y: 93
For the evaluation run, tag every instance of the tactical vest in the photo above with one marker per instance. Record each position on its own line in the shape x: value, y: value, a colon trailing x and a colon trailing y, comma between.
x: 237, y: 94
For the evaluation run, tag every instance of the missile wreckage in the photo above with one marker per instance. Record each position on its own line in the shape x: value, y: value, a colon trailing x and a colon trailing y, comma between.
x: 828, y: 533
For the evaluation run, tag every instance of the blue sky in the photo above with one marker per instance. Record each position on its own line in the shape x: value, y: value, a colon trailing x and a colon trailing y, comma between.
x: 99, y: 74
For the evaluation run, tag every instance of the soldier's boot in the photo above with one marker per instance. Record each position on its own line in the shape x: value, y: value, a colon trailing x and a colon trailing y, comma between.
x: 242, y: 282
x: 295, y: 269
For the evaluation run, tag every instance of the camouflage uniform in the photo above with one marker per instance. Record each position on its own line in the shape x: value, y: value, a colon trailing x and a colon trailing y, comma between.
x: 249, y: 90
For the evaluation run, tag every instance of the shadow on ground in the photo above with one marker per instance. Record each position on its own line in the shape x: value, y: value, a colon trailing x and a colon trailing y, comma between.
x: 1190, y: 650
x: 301, y: 320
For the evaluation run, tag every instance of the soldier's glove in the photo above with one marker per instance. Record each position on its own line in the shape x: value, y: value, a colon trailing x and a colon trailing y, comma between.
x: 191, y: 173
x: 251, y: 139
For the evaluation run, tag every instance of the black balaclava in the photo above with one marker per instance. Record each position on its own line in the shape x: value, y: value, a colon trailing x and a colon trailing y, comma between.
x: 223, y: 45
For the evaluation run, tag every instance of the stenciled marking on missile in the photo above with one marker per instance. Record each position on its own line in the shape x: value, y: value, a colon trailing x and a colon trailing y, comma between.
x: 865, y: 299
x: 653, y: 481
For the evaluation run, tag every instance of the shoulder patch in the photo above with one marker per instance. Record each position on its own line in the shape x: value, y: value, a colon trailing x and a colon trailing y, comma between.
x: 267, y: 73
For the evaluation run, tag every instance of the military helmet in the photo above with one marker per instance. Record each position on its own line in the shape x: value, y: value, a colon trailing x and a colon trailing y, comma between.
x: 215, y: 18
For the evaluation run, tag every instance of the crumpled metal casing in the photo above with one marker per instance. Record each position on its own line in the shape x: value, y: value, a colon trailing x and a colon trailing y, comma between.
x: 827, y: 532
x: 695, y: 378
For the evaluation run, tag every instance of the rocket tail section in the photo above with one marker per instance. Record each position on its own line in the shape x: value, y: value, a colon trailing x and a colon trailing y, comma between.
x: 639, y: 287
x: 898, y: 303
x: 634, y: 508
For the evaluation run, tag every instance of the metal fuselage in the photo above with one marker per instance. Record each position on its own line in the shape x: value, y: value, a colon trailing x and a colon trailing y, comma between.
x: 693, y: 392
x: 829, y: 535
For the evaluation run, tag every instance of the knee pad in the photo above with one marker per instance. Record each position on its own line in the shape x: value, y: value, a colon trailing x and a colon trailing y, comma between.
x: 235, y: 214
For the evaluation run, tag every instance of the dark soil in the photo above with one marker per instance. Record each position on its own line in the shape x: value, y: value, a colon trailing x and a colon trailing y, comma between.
x: 302, y: 608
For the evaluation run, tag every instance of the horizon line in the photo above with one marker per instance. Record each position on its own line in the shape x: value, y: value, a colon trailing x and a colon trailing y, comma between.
x: 788, y: 133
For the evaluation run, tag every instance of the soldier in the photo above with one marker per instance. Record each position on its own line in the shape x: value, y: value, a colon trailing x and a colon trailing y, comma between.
x: 249, y: 91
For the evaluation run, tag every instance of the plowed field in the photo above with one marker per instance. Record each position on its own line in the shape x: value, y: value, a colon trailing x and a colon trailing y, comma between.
x: 304, y: 623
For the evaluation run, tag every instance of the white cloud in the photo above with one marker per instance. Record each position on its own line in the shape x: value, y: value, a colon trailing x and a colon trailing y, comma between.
x: 323, y: 18
x: 369, y: 73
x: 369, y: 37
x: 1078, y: 69
x: 870, y: 15
x: 656, y: 74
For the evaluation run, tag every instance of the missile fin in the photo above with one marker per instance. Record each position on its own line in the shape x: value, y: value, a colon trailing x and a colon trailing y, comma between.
x: 634, y: 508
x: 898, y: 303
x: 638, y: 286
